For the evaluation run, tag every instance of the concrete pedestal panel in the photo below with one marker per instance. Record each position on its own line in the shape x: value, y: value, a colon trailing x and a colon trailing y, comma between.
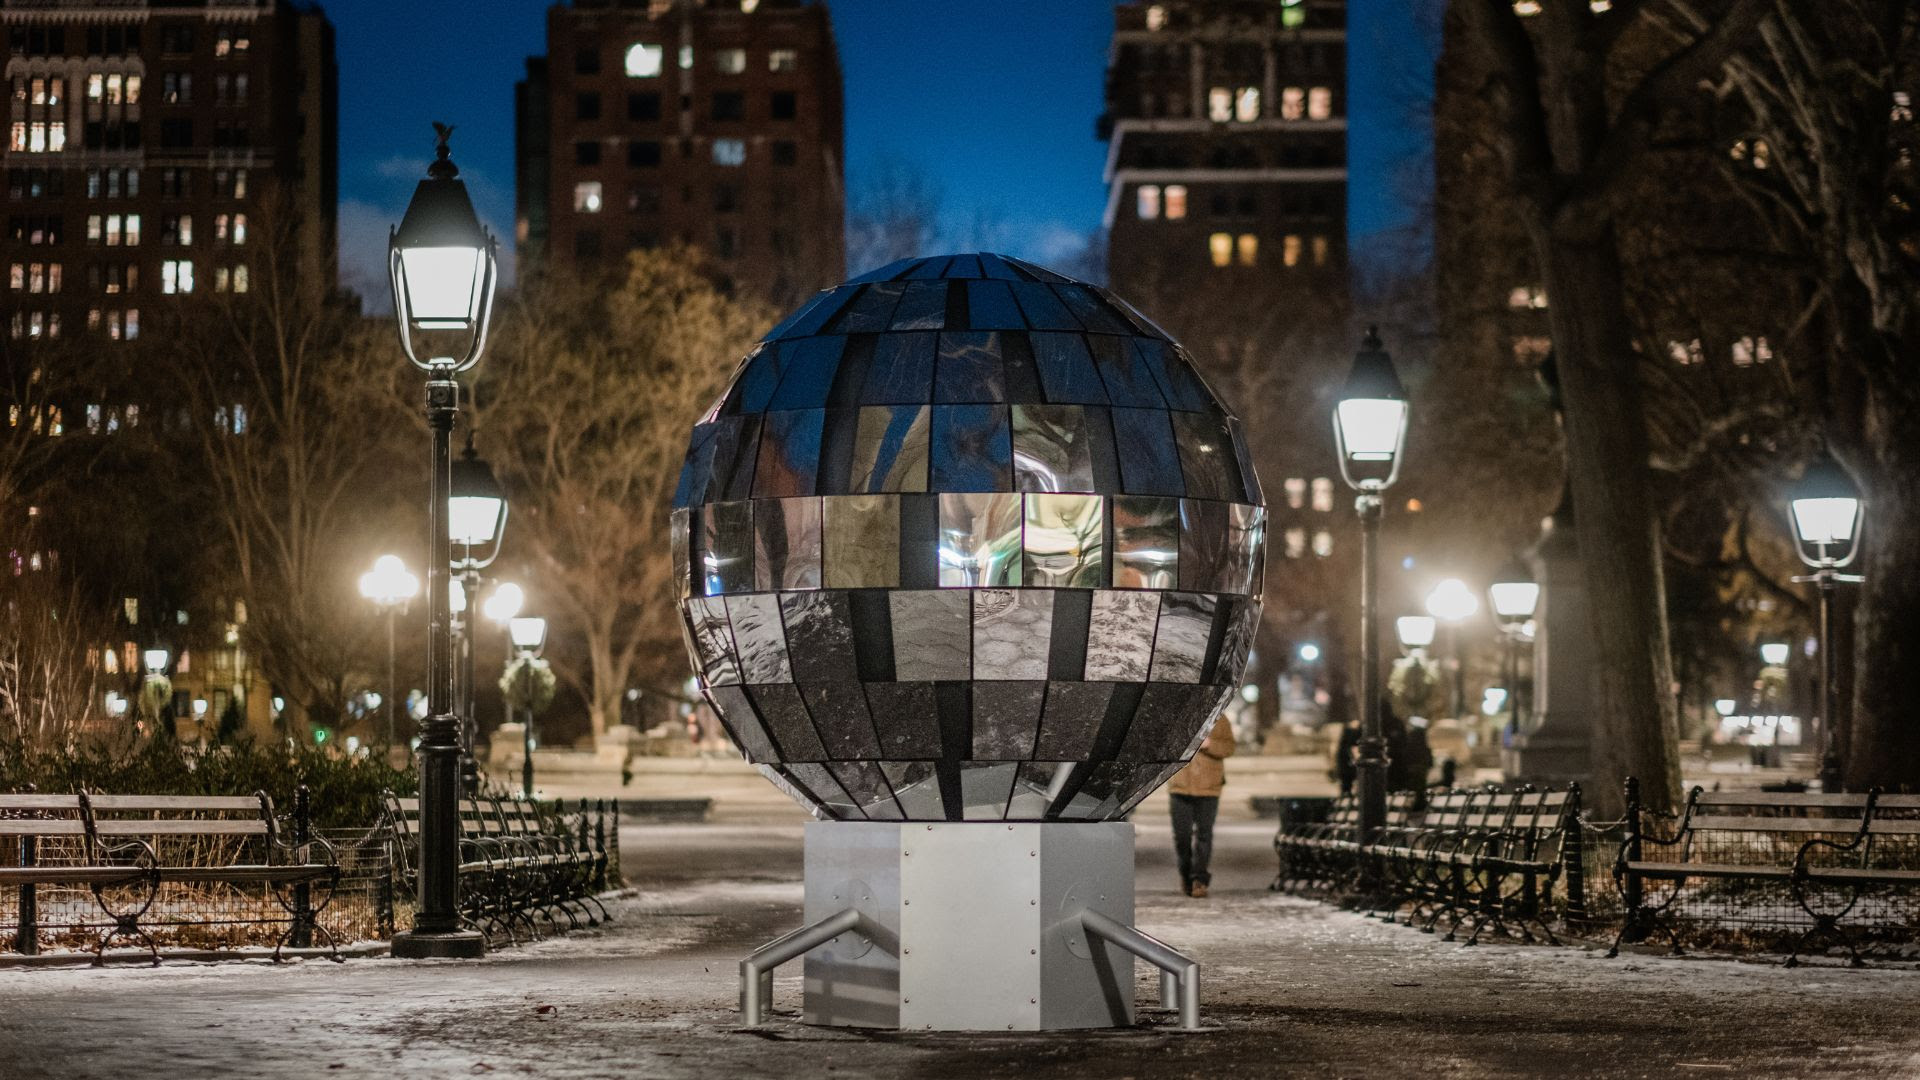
x: 970, y: 926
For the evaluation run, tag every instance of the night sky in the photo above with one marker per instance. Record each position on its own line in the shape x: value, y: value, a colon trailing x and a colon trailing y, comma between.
x: 994, y: 100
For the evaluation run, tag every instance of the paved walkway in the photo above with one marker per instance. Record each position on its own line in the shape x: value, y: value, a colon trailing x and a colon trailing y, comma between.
x: 1291, y: 989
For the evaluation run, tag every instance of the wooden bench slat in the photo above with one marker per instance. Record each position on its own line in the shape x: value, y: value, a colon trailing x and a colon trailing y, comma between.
x: 1854, y: 875
x: 33, y: 801
x: 42, y: 827
x: 244, y: 873
x: 1781, y: 798
x: 1718, y: 870
x: 62, y: 875
x: 247, y: 803
x: 178, y: 827
x: 1781, y: 824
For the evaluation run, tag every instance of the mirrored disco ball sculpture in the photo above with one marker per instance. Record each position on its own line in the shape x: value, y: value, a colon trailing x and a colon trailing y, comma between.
x: 967, y: 540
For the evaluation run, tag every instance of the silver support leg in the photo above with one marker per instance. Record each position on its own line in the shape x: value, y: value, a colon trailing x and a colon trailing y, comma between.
x: 1174, y: 967
x: 756, y: 971
x: 1169, y: 990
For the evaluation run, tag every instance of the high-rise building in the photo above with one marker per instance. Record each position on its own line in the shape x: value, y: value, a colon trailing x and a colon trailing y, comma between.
x: 1227, y: 132
x: 1226, y: 221
x: 714, y: 123
x: 151, y: 146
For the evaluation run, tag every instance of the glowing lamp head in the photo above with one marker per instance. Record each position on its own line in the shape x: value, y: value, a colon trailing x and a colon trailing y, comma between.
x: 442, y: 263
x: 1416, y: 631
x: 1724, y: 706
x: 1774, y: 653
x: 156, y: 660
x: 389, y: 583
x: 505, y: 602
x: 1827, y: 514
x: 1514, y: 595
x: 1452, y: 600
x: 1309, y: 653
x: 529, y: 632
x: 1370, y: 419
x: 476, y: 511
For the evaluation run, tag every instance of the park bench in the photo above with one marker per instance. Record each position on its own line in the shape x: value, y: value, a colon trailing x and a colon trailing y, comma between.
x: 516, y: 860
x: 1824, y: 850
x: 127, y: 848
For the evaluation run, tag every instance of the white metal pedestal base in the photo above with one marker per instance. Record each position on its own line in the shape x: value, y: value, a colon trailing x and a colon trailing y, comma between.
x: 974, y: 926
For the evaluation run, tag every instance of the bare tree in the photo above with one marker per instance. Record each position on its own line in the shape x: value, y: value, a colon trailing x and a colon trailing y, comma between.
x: 1576, y: 105
x: 895, y: 215
x: 592, y: 390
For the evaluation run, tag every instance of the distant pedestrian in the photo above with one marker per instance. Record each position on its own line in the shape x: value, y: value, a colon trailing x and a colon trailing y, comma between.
x: 1345, y: 767
x: 1194, y: 802
x: 1449, y: 768
x: 1417, y: 755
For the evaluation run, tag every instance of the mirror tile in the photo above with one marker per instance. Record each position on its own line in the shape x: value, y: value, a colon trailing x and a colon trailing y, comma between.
x: 1071, y: 719
x: 1065, y: 537
x: 1146, y: 542
x: 970, y: 370
x: 980, y: 540
x: 1180, y: 643
x: 932, y: 634
x: 901, y: 371
x: 1006, y: 719
x: 757, y: 634
x: 819, y: 628
x: 890, y: 448
x: 905, y: 718
x: 726, y: 547
x: 985, y: 789
x: 786, y: 544
x: 862, y: 546
x: 1050, y: 449
x: 1012, y: 633
x: 1066, y: 369
x: 972, y: 448
x: 1120, y: 635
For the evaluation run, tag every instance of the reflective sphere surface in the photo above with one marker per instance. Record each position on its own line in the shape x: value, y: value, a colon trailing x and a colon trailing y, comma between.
x: 968, y: 540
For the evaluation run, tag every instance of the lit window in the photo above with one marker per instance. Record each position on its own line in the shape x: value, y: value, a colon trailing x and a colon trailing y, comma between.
x: 176, y: 276
x: 96, y: 85
x: 1293, y: 103
x: 1319, y: 103
x: 1220, y: 104
x: 240, y: 278
x: 17, y: 277
x: 1319, y: 251
x: 1157, y: 17
x: 747, y: 6
x: 1323, y: 543
x: 1221, y: 246
x: 1296, y: 543
x: 222, y: 279
x: 1292, y: 14
x: 1526, y: 7
x: 133, y: 230
x: 1323, y: 494
x: 1686, y: 353
x: 730, y: 61
x: 133, y: 323
x: 686, y: 58
x: 133, y: 89
x: 1249, y: 249
x: 1149, y: 201
x: 643, y: 61
x: 1246, y: 104
x: 239, y: 229
x: 1290, y: 250
x: 783, y: 60
x: 1902, y: 106
x: 586, y: 197
x: 729, y: 152
x: 1176, y: 201
x: 1296, y: 492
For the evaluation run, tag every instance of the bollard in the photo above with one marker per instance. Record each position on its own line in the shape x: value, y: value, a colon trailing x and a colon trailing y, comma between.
x: 1574, y: 854
x: 302, y: 935
x: 26, y: 940
x: 1630, y: 885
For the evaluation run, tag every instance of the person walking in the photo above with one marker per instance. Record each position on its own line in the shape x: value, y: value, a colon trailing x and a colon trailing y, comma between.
x: 1194, y: 802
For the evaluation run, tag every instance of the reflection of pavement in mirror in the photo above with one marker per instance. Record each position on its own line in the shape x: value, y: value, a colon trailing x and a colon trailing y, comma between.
x: 1292, y: 988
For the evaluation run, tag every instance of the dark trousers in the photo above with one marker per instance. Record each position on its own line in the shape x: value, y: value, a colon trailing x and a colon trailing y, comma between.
x: 1193, y: 834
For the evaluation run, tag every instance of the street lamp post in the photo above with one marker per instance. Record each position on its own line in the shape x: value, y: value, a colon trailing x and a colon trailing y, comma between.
x: 1451, y: 602
x: 528, y: 633
x: 477, y: 521
x: 1828, y: 512
x: 1369, y: 429
x: 390, y: 586
x: 1513, y: 597
x: 442, y: 264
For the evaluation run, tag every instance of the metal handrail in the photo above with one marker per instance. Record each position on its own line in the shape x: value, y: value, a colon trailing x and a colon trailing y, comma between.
x: 1178, y: 973
x: 756, y: 971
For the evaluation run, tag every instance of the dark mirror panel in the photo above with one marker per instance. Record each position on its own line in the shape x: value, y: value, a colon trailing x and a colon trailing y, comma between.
x: 713, y: 635
x: 1246, y: 539
x: 743, y: 723
x: 840, y: 716
x: 1129, y: 383
x: 1206, y: 456
x: 1149, y: 464
x: 1092, y: 314
x: 1205, y: 562
x: 758, y: 635
x: 990, y: 306
x: 970, y: 370
x: 1066, y: 369
x: 905, y: 719
x: 1043, y: 310
x: 819, y: 627
x: 901, y: 372
x: 1051, y: 449
x: 873, y: 312
x: 985, y: 789
x: 789, y: 455
x: 786, y: 544
x: 868, y: 787
x: 972, y: 448
x: 785, y: 716
x: 1071, y: 720
x: 726, y: 547
x: 682, y: 529
x: 923, y: 306
x: 809, y: 366
x: 1006, y: 717
x: 1036, y: 786
x: 917, y: 788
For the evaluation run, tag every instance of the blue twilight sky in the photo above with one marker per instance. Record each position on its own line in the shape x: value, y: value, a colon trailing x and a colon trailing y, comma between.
x: 993, y: 100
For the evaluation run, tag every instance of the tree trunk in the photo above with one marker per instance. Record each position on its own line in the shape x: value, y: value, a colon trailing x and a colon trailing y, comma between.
x: 1636, y: 729
x: 1883, y: 747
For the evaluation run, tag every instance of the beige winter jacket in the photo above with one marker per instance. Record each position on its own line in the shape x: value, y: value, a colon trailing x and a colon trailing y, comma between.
x: 1207, y: 773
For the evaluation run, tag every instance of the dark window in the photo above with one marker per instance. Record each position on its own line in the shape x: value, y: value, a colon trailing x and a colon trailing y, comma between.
x: 586, y: 153
x: 586, y: 245
x: 726, y: 199
x: 726, y: 242
x: 643, y: 199
x: 177, y: 132
x: 586, y: 106
x: 643, y: 106
x: 785, y: 105
x: 785, y: 153
x: 643, y: 154
x: 227, y: 133
x: 586, y: 62
x: 729, y: 105
x: 176, y: 38
x: 642, y: 240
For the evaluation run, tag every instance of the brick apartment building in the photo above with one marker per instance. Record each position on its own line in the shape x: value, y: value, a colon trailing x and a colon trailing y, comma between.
x: 715, y: 123
x: 148, y: 144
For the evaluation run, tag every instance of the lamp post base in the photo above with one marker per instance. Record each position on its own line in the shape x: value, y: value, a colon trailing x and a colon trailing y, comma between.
x: 447, y: 945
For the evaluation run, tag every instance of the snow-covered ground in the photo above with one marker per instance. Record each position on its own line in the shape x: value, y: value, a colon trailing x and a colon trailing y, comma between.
x: 1290, y: 988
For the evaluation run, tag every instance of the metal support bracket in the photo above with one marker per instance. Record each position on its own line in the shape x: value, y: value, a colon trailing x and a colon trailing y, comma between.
x: 756, y: 971
x: 1179, y: 975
